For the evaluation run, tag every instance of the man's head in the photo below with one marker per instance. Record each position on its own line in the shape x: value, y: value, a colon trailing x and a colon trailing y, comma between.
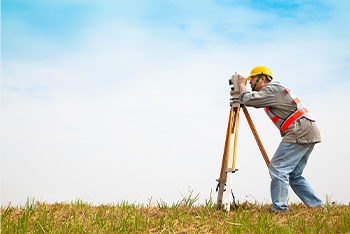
x: 259, y: 77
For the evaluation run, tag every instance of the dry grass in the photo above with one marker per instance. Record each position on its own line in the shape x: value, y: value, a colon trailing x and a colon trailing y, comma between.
x: 80, y: 217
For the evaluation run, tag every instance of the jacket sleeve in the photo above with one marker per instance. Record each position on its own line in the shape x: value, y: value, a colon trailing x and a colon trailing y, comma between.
x: 265, y: 97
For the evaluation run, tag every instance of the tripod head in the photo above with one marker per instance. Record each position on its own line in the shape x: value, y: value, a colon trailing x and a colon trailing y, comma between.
x: 234, y: 91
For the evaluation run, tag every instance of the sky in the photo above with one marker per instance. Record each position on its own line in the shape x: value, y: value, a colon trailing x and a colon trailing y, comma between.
x: 111, y: 101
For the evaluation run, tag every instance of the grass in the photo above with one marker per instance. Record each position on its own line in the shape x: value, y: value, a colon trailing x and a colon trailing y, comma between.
x: 181, y: 217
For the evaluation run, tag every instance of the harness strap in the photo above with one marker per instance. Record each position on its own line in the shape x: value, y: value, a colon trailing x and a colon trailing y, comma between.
x: 293, y: 118
x: 301, y: 111
x: 295, y: 99
x: 275, y: 118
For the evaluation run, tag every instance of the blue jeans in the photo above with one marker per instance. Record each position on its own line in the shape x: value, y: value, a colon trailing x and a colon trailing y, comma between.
x: 285, y: 168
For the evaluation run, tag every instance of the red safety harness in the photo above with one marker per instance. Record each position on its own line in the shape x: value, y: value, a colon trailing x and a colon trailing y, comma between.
x: 300, y: 112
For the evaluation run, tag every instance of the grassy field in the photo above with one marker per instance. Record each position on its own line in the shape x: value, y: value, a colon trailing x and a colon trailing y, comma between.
x: 182, y: 217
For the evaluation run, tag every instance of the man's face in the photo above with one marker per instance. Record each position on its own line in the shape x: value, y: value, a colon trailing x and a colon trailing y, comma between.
x: 252, y: 82
x: 259, y: 84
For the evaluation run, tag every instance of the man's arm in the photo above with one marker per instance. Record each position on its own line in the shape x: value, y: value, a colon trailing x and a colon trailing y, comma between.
x: 265, y: 97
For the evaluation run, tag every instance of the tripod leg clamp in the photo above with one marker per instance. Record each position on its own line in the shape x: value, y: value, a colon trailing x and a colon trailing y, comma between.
x: 233, y: 170
x: 221, y: 180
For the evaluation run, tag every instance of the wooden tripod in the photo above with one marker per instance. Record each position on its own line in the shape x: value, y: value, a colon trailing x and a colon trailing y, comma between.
x: 227, y: 161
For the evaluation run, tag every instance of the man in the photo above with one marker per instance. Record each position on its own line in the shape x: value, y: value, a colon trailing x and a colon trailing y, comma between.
x: 298, y: 129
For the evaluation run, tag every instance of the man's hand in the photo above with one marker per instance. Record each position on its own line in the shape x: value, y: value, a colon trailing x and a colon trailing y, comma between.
x: 242, y: 82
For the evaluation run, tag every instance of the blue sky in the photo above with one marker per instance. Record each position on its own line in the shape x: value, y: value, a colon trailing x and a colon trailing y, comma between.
x: 128, y: 100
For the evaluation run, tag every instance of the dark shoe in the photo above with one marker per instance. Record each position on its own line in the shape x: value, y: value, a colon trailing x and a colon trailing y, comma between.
x: 279, y: 212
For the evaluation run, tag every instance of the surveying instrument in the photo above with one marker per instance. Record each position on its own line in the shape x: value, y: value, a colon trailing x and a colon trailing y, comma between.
x: 228, y: 162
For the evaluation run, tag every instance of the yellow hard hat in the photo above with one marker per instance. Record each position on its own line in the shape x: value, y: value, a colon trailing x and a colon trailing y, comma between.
x: 260, y: 70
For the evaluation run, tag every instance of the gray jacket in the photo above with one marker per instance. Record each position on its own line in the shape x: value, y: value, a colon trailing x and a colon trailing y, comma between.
x: 273, y: 97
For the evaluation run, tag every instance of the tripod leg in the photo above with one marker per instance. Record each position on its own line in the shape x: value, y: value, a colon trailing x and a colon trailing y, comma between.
x: 236, y: 136
x: 227, y: 145
x: 257, y: 138
x: 222, y: 178
x: 230, y: 171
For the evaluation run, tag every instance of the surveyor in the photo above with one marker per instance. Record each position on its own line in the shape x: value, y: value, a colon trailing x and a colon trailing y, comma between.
x: 298, y: 129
